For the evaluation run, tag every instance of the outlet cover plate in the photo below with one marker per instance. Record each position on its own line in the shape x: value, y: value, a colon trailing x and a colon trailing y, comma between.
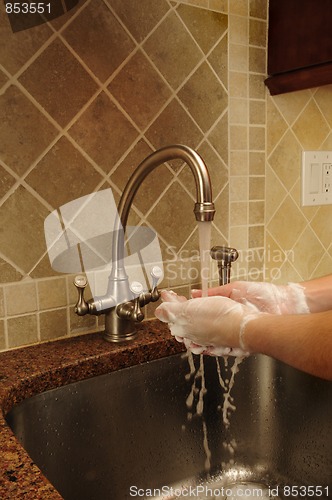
x: 316, y: 178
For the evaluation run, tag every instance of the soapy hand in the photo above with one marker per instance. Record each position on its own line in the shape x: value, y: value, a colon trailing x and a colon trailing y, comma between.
x: 208, y: 325
x: 267, y: 297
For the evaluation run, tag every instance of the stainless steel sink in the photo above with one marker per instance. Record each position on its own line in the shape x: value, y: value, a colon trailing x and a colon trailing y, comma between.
x: 123, y: 434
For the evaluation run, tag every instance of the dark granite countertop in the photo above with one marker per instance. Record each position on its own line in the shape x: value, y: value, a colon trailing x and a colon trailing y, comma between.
x: 31, y: 370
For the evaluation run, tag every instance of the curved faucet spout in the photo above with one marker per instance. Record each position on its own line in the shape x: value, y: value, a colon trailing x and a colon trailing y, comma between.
x: 204, y: 208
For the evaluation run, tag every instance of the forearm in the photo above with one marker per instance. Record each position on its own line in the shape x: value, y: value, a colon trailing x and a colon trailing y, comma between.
x: 318, y: 293
x: 303, y: 341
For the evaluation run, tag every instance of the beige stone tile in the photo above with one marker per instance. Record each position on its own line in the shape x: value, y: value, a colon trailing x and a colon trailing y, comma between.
x: 238, y: 111
x: 171, y: 42
x: 21, y: 298
x: 22, y: 330
x: 238, y: 30
x: 221, y: 217
x: 53, y: 324
x: 287, y: 224
x: 218, y: 59
x: 286, y: 160
x: 174, y: 126
x: 104, y: 32
x: 20, y: 119
x: 257, y: 163
x: 258, y: 8
x: 219, y: 5
x: 59, y: 83
x: 137, y: 80
x: 257, y: 60
x: 142, y: 16
x: 6, y: 181
x: 275, y: 193
x: 173, y: 217
x: 238, y: 137
x: 21, y: 45
x: 257, y: 89
x: 257, y: 112
x: 240, y: 7
x: 52, y: 293
x: 238, y: 57
x: 323, y: 98
x: 239, y: 162
x: 21, y: 245
x: 204, y: 97
x: 3, y: 79
x: 277, y: 126
x: 256, y: 236
x: 256, y: 188
x: 238, y: 84
x: 8, y: 273
x: 238, y: 188
x: 291, y: 104
x: 197, y: 20
x: 322, y: 229
x: 308, y: 251
x: 311, y: 128
x: 257, y: 33
x: 219, y: 138
x: 238, y: 213
x: 257, y: 138
x: 256, y: 212
x: 104, y: 132
x: 56, y: 177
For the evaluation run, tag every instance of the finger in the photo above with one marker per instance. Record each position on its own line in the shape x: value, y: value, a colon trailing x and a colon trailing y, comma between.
x: 222, y: 291
x: 170, y: 296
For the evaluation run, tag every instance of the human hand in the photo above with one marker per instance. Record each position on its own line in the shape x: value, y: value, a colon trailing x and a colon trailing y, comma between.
x: 267, y: 297
x: 208, y: 325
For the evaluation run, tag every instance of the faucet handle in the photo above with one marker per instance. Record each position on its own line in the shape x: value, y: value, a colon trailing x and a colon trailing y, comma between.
x: 137, y: 289
x: 157, y: 275
x: 81, y: 307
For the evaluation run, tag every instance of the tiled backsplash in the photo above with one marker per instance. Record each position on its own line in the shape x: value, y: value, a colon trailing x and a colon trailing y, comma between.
x: 84, y: 98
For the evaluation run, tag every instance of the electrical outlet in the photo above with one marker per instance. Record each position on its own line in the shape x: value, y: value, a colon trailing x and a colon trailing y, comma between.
x: 316, y: 178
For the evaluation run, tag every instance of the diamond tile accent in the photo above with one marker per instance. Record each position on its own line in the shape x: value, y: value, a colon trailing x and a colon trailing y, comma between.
x: 58, y: 169
x: 108, y: 44
x: 279, y: 126
x: 323, y: 99
x: 21, y: 246
x: 287, y: 224
x: 175, y: 205
x: 131, y: 86
x: 24, y: 131
x: 141, y: 17
x: 196, y: 21
x: 286, y: 160
x: 104, y: 132
x: 204, y: 97
x: 6, y: 181
x: 19, y: 46
x: 305, y: 261
x: 321, y: 226
x: 311, y: 128
x: 219, y: 60
x: 8, y: 273
x: 219, y: 138
x: 174, y: 126
x: 172, y: 50
x: 56, y: 76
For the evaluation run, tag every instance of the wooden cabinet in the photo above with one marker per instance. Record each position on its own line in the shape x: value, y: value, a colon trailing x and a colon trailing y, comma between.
x: 299, y: 45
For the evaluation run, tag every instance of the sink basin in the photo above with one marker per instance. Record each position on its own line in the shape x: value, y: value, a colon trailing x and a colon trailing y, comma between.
x: 129, y: 432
